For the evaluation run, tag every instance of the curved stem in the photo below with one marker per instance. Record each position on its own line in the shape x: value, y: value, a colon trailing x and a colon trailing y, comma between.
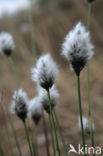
x: 60, y: 132
x: 52, y: 137
x: 13, y: 130
x: 46, y: 135
x: 7, y: 129
x: 14, y: 71
x: 53, y: 123
x: 28, y: 138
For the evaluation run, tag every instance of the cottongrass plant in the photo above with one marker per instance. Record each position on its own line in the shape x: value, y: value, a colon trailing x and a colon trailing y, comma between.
x: 86, y: 125
x: 35, y: 112
x: 45, y: 74
x: 54, y: 95
x: 88, y: 85
x: 44, y: 98
x: 78, y: 50
x: 7, y: 47
x: 7, y: 44
x: 19, y: 106
x: 13, y: 130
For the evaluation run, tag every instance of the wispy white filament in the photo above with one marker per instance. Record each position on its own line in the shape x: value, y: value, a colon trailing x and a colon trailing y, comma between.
x: 85, y: 125
x: 7, y: 44
x: 35, y: 109
x: 77, y: 47
x: 45, y: 72
x: 54, y: 96
x: 19, y: 105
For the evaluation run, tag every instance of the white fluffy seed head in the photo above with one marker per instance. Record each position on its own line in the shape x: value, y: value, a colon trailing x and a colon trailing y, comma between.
x: 45, y: 72
x: 54, y: 96
x: 19, y: 105
x: 7, y: 44
x: 85, y: 125
x: 77, y: 47
x: 35, y: 110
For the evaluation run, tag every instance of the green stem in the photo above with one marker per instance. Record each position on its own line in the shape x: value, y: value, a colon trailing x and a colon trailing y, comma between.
x: 1, y: 151
x: 88, y: 86
x: 28, y: 138
x: 53, y: 123
x: 32, y: 33
x: 14, y: 132
x: 89, y: 15
x: 80, y: 112
x: 46, y: 135
x: 52, y: 137
x: 6, y: 127
x: 36, y: 142
x: 8, y: 136
x: 60, y: 132
x: 14, y: 71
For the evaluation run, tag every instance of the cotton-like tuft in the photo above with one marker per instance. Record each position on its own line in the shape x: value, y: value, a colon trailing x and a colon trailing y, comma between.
x: 35, y: 110
x: 77, y: 48
x: 7, y: 44
x: 54, y: 96
x: 45, y: 72
x: 19, y: 105
x: 85, y: 125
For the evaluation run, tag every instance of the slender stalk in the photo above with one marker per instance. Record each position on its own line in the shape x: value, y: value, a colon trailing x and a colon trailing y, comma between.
x: 52, y: 137
x: 1, y: 151
x: 6, y: 129
x: 32, y: 33
x: 32, y: 143
x: 89, y: 15
x: 14, y: 132
x: 14, y: 71
x: 46, y: 135
x: 60, y: 132
x: 7, y: 133
x: 28, y: 138
x: 80, y: 112
x: 89, y: 110
x: 35, y: 137
x: 53, y: 123
x: 88, y: 86
x: 16, y: 77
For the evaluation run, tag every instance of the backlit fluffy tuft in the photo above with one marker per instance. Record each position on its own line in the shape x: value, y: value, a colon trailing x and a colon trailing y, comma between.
x: 19, y: 105
x: 85, y: 125
x: 45, y: 72
x: 6, y: 44
x: 77, y: 47
x: 35, y: 110
x: 54, y: 96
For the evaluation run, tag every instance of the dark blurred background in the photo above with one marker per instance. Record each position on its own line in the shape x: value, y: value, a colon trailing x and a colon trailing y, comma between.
x: 51, y: 22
